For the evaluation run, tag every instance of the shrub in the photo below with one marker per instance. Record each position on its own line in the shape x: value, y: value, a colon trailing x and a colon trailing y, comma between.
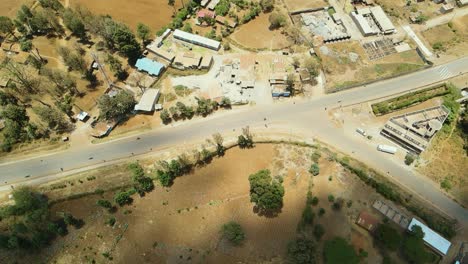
x: 302, y: 251
x: 122, y: 198
x: 388, y: 236
x: 409, y: 159
x: 233, y: 232
x: 331, y: 198
x: 446, y: 184
x: 314, y: 169
x: 110, y: 221
x: 104, y: 203
x: 315, y: 200
x: 307, y: 216
x: 338, y: 204
x: 321, y: 212
x: 319, y: 231
x: 338, y: 251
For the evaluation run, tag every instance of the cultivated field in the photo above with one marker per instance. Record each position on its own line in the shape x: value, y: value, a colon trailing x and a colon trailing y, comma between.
x: 295, y: 5
x: 182, y: 223
x: 154, y: 13
x: 257, y: 35
x: 343, y: 70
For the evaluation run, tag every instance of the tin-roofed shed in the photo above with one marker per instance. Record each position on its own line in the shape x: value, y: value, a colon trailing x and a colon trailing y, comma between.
x: 150, y: 66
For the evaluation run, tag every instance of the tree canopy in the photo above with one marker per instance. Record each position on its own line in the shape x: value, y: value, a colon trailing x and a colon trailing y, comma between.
x: 302, y: 251
x: 113, y: 108
x: 233, y: 232
x: 339, y: 251
x: 266, y: 193
x: 388, y: 236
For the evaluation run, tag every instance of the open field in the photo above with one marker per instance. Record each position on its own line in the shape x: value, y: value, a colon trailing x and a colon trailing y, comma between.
x: 398, y: 9
x: 451, y: 38
x: 9, y: 7
x: 154, y: 13
x: 295, y: 5
x: 155, y: 227
x: 257, y: 35
x: 342, y: 71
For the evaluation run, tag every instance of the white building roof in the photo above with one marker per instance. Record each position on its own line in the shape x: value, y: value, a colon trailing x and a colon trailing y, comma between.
x: 82, y: 115
x: 363, y: 24
x: 196, y: 39
x: 382, y: 19
x: 147, y: 101
x: 433, y: 239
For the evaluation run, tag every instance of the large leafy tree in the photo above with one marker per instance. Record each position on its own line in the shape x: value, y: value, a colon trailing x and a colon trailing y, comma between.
x: 74, y: 23
x: 264, y: 192
x: 6, y: 25
x: 338, y: 251
x: 113, y: 108
x: 143, y: 32
x: 413, y: 247
x: 302, y: 251
x: 388, y: 236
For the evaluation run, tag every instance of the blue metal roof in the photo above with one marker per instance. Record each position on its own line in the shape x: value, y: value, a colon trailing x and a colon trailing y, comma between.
x: 150, y: 66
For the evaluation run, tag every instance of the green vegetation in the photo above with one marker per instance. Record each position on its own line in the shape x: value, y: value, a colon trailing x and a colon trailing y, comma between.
x: 409, y: 99
x: 439, y: 46
x: 266, y: 193
x: 331, y: 198
x: 302, y: 251
x: 141, y: 183
x: 267, y: 5
x: 277, y: 20
x: 222, y: 8
x: 117, y: 107
x: 413, y: 247
x: 116, y: 67
x: 143, y: 32
x: 338, y: 251
x: 233, y: 232
x: 123, y: 197
x: 314, y: 169
x: 319, y: 231
x: 177, y: 167
x: 29, y: 223
x: 388, y: 236
x: 409, y: 158
x: 246, y: 139
x: 421, y: 19
x: 182, y: 90
x: 446, y: 184
x: 321, y: 211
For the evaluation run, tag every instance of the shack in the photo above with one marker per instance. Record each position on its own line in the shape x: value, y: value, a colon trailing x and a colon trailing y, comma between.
x: 148, y: 100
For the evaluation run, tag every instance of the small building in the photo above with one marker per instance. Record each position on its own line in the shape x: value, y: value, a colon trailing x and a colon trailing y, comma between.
x: 163, y: 54
x: 82, y: 116
x: 197, y: 39
x: 226, y: 22
x: 213, y: 4
x: 304, y: 75
x: 447, y: 8
x: 206, y: 62
x: 102, y: 129
x: 4, y: 81
x: 150, y: 66
x: 205, y: 13
x: 462, y: 2
x: 280, y: 90
x: 362, y: 24
x: 433, y: 240
x: 278, y: 79
x: 187, y: 60
x: 203, y: 3
x: 367, y: 221
x: 148, y: 100
x: 337, y: 18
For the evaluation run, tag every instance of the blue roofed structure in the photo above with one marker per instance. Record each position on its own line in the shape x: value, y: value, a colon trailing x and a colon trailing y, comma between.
x: 150, y: 66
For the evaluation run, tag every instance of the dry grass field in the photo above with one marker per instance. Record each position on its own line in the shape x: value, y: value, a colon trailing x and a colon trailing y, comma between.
x: 182, y: 223
x: 341, y: 71
x: 9, y: 7
x: 257, y: 35
x: 398, y: 8
x: 295, y: 5
x: 453, y: 37
x: 154, y: 13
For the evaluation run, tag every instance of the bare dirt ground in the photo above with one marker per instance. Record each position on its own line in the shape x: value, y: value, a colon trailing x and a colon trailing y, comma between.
x: 154, y: 13
x: 453, y: 36
x: 398, y: 8
x: 9, y: 7
x: 341, y: 71
x: 182, y: 223
x: 257, y: 35
x: 295, y: 5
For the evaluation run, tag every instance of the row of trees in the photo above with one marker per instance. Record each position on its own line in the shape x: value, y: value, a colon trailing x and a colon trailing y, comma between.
x: 203, y: 108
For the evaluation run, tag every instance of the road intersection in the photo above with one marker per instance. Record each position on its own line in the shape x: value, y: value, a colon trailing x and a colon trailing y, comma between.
x: 309, y: 115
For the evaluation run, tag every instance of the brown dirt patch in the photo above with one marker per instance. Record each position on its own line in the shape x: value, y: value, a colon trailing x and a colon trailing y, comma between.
x: 10, y: 7
x: 257, y: 35
x: 295, y: 5
x: 454, y: 37
x: 154, y: 13
x: 398, y: 8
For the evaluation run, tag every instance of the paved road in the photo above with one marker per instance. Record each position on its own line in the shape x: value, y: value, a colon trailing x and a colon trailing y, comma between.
x: 307, y: 116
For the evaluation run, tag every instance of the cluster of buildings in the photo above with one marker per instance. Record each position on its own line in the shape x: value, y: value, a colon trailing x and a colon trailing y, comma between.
x: 432, y: 239
x: 329, y: 27
x: 237, y: 78
x: 414, y: 131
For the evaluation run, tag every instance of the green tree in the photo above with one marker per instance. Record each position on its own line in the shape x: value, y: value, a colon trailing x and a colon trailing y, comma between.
x: 226, y: 102
x: 338, y: 251
x: 413, y: 247
x: 104, y: 203
x: 119, y: 37
x: 302, y: 251
x: 314, y: 169
x: 165, y: 116
x: 264, y: 192
x: 267, y: 5
x: 141, y: 182
x: 277, y: 20
x: 122, y: 198
x: 113, y: 108
x: 116, y: 67
x: 54, y: 119
x: 143, y: 32
x: 409, y: 158
x: 319, y: 231
x: 218, y: 140
x: 74, y: 23
x: 307, y: 216
x: 187, y: 28
x: 7, y: 26
x: 388, y: 236
x: 246, y: 139
x: 222, y: 8
x: 233, y: 232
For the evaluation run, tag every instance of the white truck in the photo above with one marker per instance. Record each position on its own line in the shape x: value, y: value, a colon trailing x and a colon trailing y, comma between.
x: 387, y: 149
x: 361, y: 131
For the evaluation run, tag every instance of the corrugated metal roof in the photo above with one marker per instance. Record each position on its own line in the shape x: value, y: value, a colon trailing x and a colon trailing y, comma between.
x: 196, y: 39
x: 147, y: 101
x: 380, y: 16
x: 431, y: 237
x: 150, y: 66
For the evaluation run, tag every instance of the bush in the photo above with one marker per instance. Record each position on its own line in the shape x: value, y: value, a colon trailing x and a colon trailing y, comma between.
x: 321, y: 212
x: 307, y: 216
x: 315, y: 200
x: 264, y: 192
x: 315, y: 156
x: 233, y: 232
x: 104, y: 203
x: 302, y: 251
x: 388, y: 236
x: 446, y: 184
x: 314, y: 169
x: 319, y: 231
x: 331, y: 198
x: 338, y: 204
x: 338, y: 251
x: 122, y: 198
x: 277, y: 20
x: 110, y: 221
x: 409, y: 159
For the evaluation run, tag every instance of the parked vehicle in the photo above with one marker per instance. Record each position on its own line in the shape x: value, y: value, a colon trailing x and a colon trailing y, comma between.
x: 387, y: 149
x: 361, y: 131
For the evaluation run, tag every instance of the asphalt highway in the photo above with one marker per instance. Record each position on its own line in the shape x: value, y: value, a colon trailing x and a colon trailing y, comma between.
x: 309, y: 116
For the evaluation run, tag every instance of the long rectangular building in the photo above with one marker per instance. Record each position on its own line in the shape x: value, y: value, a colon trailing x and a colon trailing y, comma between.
x: 431, y: 238
x: 382, y: 20
x: 197, y: 40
